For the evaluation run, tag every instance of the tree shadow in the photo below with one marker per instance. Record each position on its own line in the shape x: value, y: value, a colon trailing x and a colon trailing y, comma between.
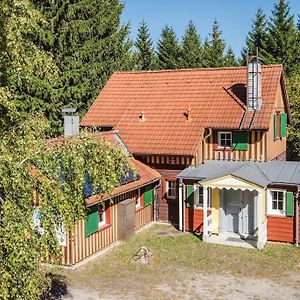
x: 58, y: 287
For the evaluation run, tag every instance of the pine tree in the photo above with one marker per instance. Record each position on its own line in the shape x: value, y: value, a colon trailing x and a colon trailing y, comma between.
x: 191, y: 48
x: 213, y: 52
x: 230, y: 59
x: 88, y: 44
x: 168, y: 50
x: 282, y: 44
x: 145, y: 53
x: 28, y: 72
x: 257, y: 37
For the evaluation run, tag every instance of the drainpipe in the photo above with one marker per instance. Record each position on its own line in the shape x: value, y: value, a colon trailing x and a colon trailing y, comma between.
x: 297, y: 216
x: 180, y: 205
x: 204, y: 139
x: 155, y: 208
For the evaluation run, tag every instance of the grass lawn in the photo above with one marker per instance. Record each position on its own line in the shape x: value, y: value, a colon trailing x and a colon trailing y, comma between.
x: 179, y: 259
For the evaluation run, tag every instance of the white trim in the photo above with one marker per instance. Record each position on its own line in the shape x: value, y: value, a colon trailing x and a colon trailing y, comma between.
x: 196, y: 194
x: 219, y: 139
x: 180, y: 205
x: 167, y: 188
x: 138, y: 203
x: 103, y: 222
x: 270, y: 210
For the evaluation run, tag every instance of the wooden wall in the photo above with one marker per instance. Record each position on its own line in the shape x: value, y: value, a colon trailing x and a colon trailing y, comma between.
x: 257, y: 149
x: 194, y: 219
x: 80, y: 247
x: 281, y: 229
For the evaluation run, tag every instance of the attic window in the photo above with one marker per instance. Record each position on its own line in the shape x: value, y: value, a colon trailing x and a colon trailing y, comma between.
x: 225, y: 139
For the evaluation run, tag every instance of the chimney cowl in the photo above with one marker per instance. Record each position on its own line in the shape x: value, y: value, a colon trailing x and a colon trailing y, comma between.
x: 71, y: 121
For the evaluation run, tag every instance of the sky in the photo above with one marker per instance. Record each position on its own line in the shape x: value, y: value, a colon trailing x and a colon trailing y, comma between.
x: 234, y: 17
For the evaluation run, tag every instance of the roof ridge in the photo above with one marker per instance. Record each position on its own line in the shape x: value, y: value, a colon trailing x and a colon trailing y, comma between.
x: 191, y: 69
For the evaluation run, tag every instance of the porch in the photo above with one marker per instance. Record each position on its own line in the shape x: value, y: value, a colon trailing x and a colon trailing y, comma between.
x: 233, y: 211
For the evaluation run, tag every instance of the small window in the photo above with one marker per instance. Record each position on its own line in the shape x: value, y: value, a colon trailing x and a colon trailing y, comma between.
x: 138, y: 199
x: 171, y: 189
x: 198, y: 197
x: 225, y: 139
x: 102, y: 215
x: 276, y: 202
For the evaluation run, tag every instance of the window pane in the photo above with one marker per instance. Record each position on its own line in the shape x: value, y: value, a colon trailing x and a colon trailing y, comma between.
x: 280, y: 205
x: 274, y: 204
x: 280, y: 196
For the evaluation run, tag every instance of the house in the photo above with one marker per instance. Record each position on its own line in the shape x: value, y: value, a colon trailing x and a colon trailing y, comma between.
x: 177, y: 119
x: 111, y: 217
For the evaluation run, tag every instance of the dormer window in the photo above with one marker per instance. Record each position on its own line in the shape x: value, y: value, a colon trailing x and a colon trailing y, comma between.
x: 224, y: 139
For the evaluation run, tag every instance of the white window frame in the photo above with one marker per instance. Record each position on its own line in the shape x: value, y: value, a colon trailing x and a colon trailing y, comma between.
x: 219, y: 139
x: 168, y: 196
x: 103, y: 222
x: 276, y: 212
x: 138, y: 199
x: 196, y: 193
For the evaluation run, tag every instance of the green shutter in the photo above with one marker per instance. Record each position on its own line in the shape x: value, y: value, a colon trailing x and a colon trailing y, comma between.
x: 275, y: 126
x: 290, y: 204
x: 189, y: 195
x: 283, y: 123
x: 148, y: 198
x: 240, y: 140
x: 92, y: 221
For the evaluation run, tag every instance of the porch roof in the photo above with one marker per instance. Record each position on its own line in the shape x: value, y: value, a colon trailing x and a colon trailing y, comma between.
x: 260, y: 173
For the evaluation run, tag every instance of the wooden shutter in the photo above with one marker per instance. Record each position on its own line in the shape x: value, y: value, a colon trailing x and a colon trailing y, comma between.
x: 148, y: 198
x: 189, y: 195
x: 275, y: 126
x: 91, y: 221
x: 290, y: 204
x: 240, y: 140
x: 283, y: 123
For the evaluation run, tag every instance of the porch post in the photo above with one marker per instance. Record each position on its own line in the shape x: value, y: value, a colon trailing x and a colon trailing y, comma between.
x: 180, y: 204
x: 262, y: 229
x: 205, y: 223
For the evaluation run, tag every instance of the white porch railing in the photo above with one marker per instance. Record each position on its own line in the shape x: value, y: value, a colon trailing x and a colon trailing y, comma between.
x: 262, y: 234
x: 209, y: 224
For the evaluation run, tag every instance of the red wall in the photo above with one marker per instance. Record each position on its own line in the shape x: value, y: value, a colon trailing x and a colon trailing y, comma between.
x: 281, y: 229
x: 194, y: 219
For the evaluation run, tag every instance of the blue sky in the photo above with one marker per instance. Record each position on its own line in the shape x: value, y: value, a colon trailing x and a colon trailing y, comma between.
x: 234, y: 16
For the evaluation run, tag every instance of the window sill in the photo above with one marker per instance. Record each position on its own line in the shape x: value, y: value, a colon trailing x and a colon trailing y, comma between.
x: 223, y: 149
x: 276, y: 214
x: 103, y: 227
x: 201, y: 208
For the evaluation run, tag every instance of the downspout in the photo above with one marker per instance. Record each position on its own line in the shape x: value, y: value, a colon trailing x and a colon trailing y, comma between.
x: 155, y: 208
x: 180, y: 205
x: 204, y: 139
x: 297, y: 216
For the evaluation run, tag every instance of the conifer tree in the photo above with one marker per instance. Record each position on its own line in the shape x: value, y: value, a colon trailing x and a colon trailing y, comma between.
x: 191, y: 48
x: 168, y: 50
x: 257, y: 37
x: 88, y: 44
x: 145, y: 52
x: 28, y: 72
x: 230, y: 59
x: 282, y: 44
x: 213, y: 52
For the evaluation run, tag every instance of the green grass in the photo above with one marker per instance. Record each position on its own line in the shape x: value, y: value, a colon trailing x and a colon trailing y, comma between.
x: 178, y: 257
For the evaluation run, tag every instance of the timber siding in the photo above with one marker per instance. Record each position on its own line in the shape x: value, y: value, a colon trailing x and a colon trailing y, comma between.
x: 257, y: 149
x: 80, y: 247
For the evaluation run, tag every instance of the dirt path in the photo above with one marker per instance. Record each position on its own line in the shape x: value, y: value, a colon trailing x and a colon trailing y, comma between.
x: 202, y: 287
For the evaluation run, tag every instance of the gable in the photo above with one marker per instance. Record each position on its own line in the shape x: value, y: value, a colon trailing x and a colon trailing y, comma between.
x: 230, y: 182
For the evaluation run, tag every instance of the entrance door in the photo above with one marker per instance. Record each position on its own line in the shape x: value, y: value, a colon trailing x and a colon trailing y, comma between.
x: 239, y: 212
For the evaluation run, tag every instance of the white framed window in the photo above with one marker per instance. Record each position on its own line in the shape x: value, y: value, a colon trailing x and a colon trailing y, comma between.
x: 198, y: 197
x: 276, y: 202
x: 225, y: 139
x: 171, y: 189
x: 102, y: 215
x: 138, y: 199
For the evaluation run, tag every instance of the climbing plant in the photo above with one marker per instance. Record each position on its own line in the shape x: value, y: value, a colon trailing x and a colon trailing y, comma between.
x: 57, y: 170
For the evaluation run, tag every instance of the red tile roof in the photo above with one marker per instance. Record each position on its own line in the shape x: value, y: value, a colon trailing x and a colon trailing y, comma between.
x: 215, y: 97
x: 146, y: 174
